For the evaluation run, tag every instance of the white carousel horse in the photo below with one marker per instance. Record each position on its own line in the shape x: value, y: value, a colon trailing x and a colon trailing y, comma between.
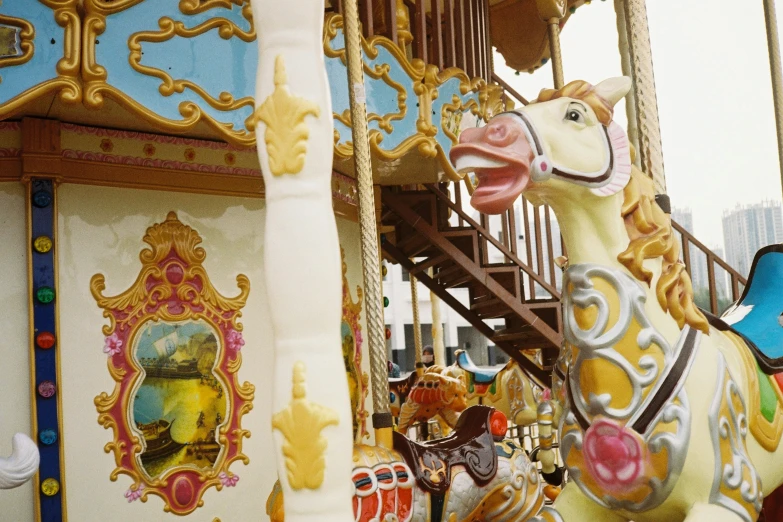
x: 22, y: 464
x: 669, y: 416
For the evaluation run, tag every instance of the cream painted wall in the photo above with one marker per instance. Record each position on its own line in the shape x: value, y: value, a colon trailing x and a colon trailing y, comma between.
x: 15, y: 504
x: 100, y: 231
x: 350, y: 241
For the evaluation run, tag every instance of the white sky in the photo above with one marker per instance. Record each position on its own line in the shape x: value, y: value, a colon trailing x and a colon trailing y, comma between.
x: 714, y: 97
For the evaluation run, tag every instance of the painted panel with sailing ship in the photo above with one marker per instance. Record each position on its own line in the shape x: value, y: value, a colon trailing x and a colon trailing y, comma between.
x: 180, y: 404
x: 174, y: 349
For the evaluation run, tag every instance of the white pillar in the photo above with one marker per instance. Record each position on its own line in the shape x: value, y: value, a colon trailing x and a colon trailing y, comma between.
x: 311, y: 409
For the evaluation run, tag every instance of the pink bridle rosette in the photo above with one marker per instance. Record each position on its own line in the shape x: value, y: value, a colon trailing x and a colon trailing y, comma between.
x: 616, y: 456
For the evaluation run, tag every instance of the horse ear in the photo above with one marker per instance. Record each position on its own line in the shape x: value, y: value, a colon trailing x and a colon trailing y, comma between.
x: 614, y: 89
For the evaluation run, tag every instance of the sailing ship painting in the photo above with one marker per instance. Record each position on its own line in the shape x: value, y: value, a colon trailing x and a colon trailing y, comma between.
x: 180, y: 404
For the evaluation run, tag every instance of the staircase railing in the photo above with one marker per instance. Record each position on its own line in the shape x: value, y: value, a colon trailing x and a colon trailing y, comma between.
x: 454, y: 33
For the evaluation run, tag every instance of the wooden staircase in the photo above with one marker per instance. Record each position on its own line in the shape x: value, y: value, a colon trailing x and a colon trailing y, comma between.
x: 426, y: 239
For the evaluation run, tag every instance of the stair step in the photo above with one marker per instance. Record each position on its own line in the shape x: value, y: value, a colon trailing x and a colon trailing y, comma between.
x: 416, y: 246
x: 432, y: 262
x: 490, y: 309
x: 512, y: 334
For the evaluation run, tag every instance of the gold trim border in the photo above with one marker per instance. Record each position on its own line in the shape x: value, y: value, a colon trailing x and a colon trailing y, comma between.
x: 68, y: 67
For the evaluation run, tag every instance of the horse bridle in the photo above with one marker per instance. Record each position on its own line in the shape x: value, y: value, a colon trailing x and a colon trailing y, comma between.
x: 542, y: 167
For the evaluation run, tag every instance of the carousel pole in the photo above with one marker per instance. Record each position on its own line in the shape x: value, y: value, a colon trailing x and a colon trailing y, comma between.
x: 381, y: 417
x: 311, y: 411
x: 416, y: 327
x: 625, y: 63
x: 551, y: 12
x: 773, y: 44
x: 438, y: 348
x: 638, y: 54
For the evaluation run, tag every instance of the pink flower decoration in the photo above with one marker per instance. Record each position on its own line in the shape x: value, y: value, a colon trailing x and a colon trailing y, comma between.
x: 228, y: 480
x: 614, y: 455
x: 234, y: 341
x: 132, y: 494
x: 112, y: 345
x: 546, y: 395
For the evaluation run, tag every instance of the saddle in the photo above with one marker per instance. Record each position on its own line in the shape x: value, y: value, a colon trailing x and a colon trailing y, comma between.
x: 470, y: 445
x: 757, y: 316
x: 477, y: 375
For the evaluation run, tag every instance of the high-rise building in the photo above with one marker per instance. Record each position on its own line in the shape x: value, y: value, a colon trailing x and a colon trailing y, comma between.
x: 698, y: 268
x: 748, y: 228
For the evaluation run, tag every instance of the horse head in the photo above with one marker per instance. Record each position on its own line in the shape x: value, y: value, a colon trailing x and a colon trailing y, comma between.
x: 565, y: 143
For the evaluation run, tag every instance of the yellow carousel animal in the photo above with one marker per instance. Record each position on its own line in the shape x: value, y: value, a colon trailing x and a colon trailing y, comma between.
x: 669, y: 415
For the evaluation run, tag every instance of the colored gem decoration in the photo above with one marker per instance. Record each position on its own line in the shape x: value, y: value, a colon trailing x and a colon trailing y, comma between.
x: 388, y: 333
x: 50, y: 487
x: 384, y: 270
x: 385, y: 302
x: 47, y: 437
x: 46, y: 389
x: 42, y: 244
x: 42, y: 198
x: 45, y: 294
x: 44, y: 340
x: 173, y: 339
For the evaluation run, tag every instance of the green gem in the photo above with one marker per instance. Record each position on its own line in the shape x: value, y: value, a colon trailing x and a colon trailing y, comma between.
x: 45, y: 294
x: 385, y: 301
x: 572, y: 9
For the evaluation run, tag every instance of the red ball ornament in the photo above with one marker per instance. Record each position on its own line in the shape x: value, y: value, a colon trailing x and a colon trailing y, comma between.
x: 44, y: 340
x: 388, y: 333
x: 498, y: 424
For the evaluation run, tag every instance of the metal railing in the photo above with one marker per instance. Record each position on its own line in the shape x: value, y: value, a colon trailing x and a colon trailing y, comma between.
x: 454, y: 33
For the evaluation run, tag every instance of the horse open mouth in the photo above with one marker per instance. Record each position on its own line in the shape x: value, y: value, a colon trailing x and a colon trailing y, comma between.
x: 499, y: 182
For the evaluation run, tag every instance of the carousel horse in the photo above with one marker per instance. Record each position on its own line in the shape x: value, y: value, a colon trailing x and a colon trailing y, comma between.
x: 475, y: 474
x: 508, y: 389
x: 434, y: 393
x: 670, y: 415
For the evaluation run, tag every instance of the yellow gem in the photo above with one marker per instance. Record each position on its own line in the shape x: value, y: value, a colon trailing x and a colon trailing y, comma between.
x: 42, y: 244
x: 50, y: 487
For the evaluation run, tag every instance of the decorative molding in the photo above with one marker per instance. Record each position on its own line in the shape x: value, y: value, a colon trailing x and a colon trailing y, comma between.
x: 286, y: 130
x: 173, y: 290
x: 23, y: 34
x: 304, y: 449
x: 66, y: 82
x: 96, y: 75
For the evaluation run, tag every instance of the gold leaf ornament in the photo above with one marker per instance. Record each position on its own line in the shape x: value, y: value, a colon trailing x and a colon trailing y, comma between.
x: 286, y: 131
x: 301, y: 423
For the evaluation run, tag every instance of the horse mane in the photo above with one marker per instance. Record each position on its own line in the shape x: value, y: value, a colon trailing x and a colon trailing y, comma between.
x: 651, y: 235
x: 584, y: 91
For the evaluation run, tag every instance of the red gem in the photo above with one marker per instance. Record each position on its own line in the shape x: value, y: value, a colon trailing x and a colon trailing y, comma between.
x: 175, y: 274
x: 544, y: 166
x: 498, y: 423
x: 388, y: 333
x: 183, y: 491
x: 44, y: 340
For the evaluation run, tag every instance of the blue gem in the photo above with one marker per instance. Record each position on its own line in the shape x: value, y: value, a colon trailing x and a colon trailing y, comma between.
x: 48, y: 437
x: 42, y: 199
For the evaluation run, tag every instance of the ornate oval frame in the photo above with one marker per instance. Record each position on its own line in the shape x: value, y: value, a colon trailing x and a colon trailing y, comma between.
x: 172, y: 287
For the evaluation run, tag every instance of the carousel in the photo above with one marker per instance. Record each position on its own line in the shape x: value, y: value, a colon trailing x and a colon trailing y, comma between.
x: 199, y: 202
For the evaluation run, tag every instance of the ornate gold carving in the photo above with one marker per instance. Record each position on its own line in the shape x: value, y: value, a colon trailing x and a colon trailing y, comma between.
x: 141, y: 305
x: 352, y: 356
x: 301, y: 423
x: 9, y: 55
x: 69, y: 87
x: 286, y: 131
x: 191, y: 7
x: 95, y: 76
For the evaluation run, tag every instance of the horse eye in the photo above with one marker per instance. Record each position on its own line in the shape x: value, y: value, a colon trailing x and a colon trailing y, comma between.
x: 574, y: 116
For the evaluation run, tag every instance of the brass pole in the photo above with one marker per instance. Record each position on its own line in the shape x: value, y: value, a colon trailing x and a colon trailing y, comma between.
x: 554, y: 52
x: 381, y: 418
x: 416, y: 326
x: 650, y: 149
x: 773, y: 44
x: 625, y: 63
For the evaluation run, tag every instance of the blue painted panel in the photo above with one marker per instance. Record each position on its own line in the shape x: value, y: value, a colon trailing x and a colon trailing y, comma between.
x: 48, y: 49
x: 209, y: 61
x: 446, y: 93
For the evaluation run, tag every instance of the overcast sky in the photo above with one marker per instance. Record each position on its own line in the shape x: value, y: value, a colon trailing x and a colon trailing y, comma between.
x: 714, y: 97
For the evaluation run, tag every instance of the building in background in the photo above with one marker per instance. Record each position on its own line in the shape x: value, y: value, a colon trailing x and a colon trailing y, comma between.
x: 748, y: 228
